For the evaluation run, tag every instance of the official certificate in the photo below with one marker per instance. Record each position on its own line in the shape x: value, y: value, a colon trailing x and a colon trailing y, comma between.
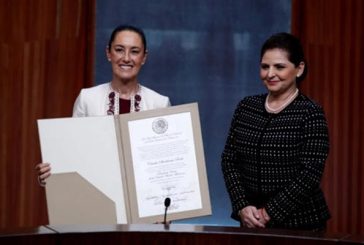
x: 120, y: 169
x: 165, y: 160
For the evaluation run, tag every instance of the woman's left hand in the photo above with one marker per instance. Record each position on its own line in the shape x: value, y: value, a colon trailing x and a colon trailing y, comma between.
x: 264, y: 214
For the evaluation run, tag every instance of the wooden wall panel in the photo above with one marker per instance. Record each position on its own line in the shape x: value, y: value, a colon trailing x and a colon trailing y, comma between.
x: 332, y: 34
x: 46, y: 49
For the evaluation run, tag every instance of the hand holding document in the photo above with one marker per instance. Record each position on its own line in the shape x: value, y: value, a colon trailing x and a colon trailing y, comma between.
x: 154, y: 154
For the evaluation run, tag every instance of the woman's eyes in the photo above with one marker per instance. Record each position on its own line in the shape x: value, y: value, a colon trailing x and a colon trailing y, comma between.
x: 266, y: 67
x: 133, y: 51
x: 280, y: 67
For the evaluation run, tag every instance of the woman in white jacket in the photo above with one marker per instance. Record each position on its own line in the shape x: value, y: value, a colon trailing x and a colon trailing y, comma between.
x: 127, y: 53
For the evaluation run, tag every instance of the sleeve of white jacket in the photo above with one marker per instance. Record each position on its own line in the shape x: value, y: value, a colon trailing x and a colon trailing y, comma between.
x: 79, y: 109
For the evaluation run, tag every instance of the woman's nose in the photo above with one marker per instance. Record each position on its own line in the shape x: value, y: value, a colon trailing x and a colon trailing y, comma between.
x: 271, y: 72
x: 126, y: 56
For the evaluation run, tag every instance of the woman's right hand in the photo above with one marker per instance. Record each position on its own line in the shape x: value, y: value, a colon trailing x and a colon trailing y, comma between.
x: 44, y: 171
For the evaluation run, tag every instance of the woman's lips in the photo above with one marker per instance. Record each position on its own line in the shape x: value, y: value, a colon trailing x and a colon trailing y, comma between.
x: 126, y: 67
x: 271, y: 82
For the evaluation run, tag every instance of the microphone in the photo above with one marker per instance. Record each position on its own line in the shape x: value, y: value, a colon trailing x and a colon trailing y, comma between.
x: 167, y: 202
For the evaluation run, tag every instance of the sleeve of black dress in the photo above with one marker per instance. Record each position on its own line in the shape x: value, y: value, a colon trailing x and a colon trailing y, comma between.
x: 231, y: 174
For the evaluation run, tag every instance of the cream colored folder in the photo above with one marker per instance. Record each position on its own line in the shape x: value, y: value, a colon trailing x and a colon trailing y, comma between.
x: 101, y: 166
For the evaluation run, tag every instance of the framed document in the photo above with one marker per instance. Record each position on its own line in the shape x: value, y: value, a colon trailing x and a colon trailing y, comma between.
x: 164, y: 158
x: 119, y: 169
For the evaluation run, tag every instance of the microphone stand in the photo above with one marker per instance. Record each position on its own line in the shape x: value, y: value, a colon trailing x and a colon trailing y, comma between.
x: 167, y: 202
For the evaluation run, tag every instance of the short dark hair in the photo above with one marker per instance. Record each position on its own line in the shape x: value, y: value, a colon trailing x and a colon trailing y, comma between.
x: 291, y: 45
x: 128, y: 28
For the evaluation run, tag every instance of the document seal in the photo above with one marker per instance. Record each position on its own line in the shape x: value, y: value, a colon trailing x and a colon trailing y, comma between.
x: 160, y: 125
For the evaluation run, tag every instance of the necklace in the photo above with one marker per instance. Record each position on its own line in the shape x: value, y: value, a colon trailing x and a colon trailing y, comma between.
x: 284, y: 105
x: 114, y: 98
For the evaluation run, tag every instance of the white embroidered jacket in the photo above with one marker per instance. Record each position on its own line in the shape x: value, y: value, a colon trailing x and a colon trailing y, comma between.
x: 94, y: 101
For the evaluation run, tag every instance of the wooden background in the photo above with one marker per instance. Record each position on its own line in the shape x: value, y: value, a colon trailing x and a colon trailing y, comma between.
x: 47, y: 55
x: 332, y: 33
x: 46, y: 49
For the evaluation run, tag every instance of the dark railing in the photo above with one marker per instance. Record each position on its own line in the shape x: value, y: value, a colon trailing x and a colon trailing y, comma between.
x: 167, y: 234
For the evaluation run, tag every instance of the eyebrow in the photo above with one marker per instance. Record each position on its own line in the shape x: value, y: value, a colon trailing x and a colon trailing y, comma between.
x: 279, y: 63
x: 121, y: 45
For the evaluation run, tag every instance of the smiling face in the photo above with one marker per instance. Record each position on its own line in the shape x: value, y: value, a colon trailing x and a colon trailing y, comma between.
x: 278, y: 73
x: 126, y: 54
